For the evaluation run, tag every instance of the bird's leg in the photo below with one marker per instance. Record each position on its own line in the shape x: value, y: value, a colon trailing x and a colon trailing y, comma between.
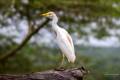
x: 62, y: 61
x: 61, y: 68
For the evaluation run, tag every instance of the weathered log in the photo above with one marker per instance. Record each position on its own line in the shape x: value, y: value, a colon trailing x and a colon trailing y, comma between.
x: 68, y: 74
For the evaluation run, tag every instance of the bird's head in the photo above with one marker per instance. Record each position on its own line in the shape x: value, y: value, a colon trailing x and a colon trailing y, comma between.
x: 51, y: 15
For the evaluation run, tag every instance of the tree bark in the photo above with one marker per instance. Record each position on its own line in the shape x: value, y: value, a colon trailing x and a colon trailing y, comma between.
x: 61, y: 74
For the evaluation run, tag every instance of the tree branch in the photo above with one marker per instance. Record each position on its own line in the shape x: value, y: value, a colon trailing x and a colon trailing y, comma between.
x: 27, y: 38
x: 69, y: 74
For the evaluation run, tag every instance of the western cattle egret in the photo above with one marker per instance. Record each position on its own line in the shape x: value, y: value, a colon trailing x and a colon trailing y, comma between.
x: 62, y: 37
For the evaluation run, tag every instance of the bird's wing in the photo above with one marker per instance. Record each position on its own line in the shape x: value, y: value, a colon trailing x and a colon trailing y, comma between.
x: 65, y: 43
x: 70, y: 41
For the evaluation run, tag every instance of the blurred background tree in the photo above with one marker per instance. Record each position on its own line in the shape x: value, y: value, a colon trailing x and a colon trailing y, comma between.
x: 93, y: 25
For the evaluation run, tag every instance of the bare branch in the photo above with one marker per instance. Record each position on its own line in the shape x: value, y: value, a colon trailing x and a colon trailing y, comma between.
x: 27, y: 38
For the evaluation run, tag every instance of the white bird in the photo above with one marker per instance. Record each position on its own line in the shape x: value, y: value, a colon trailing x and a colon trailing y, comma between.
x: 63, y: 39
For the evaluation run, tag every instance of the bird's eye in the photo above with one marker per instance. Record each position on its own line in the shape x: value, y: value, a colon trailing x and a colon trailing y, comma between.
x: 49, y: 14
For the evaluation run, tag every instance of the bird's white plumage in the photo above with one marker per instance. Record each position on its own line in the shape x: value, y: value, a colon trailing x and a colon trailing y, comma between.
x: 63, y: 38
x: 65, y: 43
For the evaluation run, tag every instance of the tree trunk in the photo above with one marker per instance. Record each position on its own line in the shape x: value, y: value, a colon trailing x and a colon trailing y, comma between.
x: 61, y: 74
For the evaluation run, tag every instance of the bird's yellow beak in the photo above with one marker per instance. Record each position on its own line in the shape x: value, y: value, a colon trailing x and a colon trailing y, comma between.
x: 45, y: 14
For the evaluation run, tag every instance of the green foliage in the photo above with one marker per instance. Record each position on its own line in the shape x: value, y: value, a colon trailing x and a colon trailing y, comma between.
x: 36, y: 58
x: 91, y: 8
x: 99, y: 61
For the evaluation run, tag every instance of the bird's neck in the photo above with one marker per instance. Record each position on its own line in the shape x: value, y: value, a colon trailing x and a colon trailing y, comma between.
x: 54, y: 23
x: 54, y: 20
x: 54, y: 26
